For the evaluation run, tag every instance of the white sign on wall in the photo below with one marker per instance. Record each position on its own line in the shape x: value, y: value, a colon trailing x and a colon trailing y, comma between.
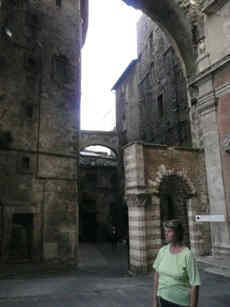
x: 210, y: 218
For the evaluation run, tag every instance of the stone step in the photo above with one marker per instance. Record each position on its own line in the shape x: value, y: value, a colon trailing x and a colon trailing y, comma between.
x: 218, y: 271
x: 219, y: 265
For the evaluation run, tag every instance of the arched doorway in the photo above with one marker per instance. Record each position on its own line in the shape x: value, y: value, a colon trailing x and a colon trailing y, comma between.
x: 173, y: 194
x: 99, y: 207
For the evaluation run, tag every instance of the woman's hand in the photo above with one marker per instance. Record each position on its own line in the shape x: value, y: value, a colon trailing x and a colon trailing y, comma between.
x: 155, y: 288
x: 194, y: 296
x: 154, y: 302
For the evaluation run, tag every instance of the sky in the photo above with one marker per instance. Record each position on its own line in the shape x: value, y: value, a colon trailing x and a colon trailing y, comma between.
x: 110, y: 47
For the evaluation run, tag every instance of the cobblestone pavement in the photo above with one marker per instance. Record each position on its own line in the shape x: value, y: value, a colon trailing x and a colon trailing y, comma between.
x: 100, y: 281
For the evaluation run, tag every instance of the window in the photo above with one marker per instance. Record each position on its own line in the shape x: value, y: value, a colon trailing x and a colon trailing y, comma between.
x: 32, y: 20
x: 151, y: 44
x: 25, y: 163
x: 58, y: 3
x: 29, y: 111
x: 160, y: 105
x: 18, y: 3
x: 31, y: 63
x: 62, y: 70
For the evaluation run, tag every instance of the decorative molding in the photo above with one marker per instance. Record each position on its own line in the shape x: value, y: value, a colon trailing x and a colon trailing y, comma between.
x: 207, y: 103
x: 140, y: 200
x: 212, y: 6
x: 223, y: 90
x: 207, y: 72
x: 226, y: 143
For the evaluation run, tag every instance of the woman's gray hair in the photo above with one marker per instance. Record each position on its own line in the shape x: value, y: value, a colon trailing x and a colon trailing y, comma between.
x: 177, y: 226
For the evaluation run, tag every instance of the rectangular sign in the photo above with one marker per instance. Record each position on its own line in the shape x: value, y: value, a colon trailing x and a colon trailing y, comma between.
x: 210, y: 218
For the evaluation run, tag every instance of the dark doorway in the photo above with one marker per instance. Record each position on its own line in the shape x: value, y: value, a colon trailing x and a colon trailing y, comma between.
x: 90, y: 226
x: 88, y: 221
x: 21, y: 239
x: 173, y: 204
x: 167, y: 212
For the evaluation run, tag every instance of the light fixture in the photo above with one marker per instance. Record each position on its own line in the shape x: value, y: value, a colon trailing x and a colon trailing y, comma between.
x: 8, y: 32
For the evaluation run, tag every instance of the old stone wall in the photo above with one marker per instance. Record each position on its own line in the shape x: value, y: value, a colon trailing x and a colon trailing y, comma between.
x: 153, y: 94
x: 39, y: 92
x: 162, y: 90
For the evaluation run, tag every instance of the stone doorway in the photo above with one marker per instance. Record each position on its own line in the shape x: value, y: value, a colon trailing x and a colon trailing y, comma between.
x: 21, y: 238
x: 22, y: 234
x: 173, y: 203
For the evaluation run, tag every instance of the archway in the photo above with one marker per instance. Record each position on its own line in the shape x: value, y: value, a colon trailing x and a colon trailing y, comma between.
x: 173, y: 194
x: 99, y: 207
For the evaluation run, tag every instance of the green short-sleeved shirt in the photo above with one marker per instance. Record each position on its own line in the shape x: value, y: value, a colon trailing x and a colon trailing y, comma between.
x: 177, y: 274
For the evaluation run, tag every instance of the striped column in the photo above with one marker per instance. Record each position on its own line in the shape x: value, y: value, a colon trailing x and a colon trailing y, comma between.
x: 137, y: 233
x: 153, y: 230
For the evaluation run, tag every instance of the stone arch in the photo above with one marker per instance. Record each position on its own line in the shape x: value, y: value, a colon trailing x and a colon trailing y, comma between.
x: 163, y: 172
x: 101, y: 138
x: 176, y: 19
x: 99, y: 144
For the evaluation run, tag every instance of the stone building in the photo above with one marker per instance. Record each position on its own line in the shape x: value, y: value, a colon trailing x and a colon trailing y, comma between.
x: 151, y: 97
x: 40, y: 98
x: 152, y: 108
x: 199, y: 35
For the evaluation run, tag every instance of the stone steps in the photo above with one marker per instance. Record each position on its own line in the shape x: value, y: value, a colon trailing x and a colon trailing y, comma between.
x: 219, y: 265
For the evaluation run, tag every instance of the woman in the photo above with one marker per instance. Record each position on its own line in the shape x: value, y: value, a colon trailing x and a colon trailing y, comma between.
x: 176, y: 277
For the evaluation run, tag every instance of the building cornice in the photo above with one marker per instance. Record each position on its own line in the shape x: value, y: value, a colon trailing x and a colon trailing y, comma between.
x: 223, y: 90
x: 212, y: 6
x: 211, y: 69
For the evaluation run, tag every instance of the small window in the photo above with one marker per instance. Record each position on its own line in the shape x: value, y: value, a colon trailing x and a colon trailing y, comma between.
x: 25, y: 163
x: 31, y: 63
x: 32, y: 20
x: 61, y: 69
x: 58, y: 3
x: 18, y: 3
x: 29, y: 111
x: 160, y: 105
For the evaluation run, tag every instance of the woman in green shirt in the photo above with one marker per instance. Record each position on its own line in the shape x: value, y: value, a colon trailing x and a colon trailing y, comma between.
x: 176, y: 276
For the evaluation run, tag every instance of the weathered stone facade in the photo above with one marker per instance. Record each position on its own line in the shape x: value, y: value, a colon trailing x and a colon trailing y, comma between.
x: 210, y: 110
x: 208, y: 78
x: 40, y: 96
x: 151, y: 96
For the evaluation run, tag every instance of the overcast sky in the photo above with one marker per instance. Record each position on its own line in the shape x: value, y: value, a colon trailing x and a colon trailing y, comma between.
x: 110, y: 46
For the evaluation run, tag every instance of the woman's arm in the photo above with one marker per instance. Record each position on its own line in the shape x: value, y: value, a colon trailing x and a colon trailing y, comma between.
x: 194, y: 296
x: 155, y: 288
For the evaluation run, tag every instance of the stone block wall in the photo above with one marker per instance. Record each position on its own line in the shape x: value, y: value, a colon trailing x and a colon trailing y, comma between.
x: 40, y: 99
x: 151, y: 97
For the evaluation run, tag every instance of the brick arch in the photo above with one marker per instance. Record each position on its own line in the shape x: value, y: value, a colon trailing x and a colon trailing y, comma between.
x: 178, y: 19
x: 173, y: 194
x: 184, y: 192
x: 164, y: 173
